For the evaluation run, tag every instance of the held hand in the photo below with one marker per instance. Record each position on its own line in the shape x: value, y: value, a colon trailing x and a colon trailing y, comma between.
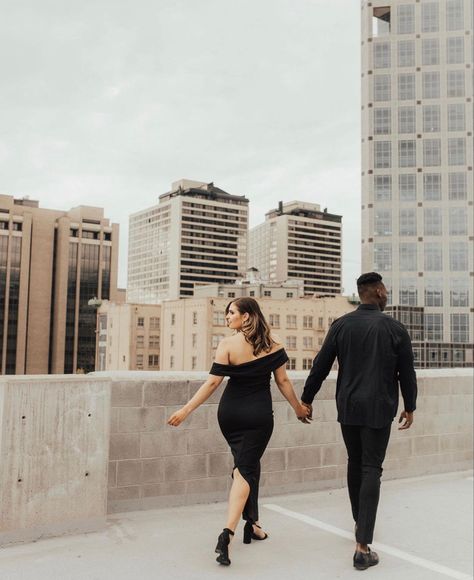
x: 408, y: 418
x: 178, y: 417
x: 305, y: 413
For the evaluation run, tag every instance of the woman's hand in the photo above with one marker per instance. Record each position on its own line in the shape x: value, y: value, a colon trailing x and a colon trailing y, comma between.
x: 304, y: 413
x: 178, y: 417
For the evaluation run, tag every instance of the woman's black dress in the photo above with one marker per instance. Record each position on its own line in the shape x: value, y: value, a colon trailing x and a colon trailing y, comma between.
x: 245, y: 417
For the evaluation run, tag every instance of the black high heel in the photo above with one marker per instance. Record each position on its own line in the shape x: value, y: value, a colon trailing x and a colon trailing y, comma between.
x: 222, y: 547
x: 250, y: 535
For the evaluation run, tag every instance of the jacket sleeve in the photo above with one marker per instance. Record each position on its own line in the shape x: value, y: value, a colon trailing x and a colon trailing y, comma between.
x: 321, y: 366
x: 406, y: 373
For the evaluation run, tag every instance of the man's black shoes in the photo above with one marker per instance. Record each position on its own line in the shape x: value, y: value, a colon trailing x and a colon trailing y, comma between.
x: 362, y: 561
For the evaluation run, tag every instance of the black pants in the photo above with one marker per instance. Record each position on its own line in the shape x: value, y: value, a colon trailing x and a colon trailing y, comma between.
x: 366, y: 451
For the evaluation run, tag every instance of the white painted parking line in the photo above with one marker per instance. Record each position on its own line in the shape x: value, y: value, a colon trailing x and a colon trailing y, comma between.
x: 379, y: 547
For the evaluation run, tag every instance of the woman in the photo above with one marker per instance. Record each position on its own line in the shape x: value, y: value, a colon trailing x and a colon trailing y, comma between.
x: 245, y: 413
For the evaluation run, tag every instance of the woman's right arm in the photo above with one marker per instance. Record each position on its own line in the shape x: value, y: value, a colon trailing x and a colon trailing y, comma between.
x: 286, y: 388
x: 204, y: 391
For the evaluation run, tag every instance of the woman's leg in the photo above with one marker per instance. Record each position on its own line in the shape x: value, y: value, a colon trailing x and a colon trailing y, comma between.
x: 238, y: 495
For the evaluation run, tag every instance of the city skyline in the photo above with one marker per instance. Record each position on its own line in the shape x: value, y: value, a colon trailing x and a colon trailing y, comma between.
x: 110, y: 116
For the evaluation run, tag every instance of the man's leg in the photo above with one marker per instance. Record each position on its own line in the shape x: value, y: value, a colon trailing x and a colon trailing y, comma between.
x: 374, y: 445
x: 352, y: 439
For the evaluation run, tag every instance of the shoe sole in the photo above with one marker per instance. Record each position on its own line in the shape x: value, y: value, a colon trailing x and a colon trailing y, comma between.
x: 358, y: 567
x: 220, y: 560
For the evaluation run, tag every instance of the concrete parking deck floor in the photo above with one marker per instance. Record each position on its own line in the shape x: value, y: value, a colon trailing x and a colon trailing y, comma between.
x: 424, y: 532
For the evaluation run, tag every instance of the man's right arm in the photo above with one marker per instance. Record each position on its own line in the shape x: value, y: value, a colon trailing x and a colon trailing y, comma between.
x: 406, y: 373
x: 321, y: 366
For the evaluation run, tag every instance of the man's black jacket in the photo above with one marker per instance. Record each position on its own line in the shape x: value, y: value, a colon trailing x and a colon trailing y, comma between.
x: 374, y: 355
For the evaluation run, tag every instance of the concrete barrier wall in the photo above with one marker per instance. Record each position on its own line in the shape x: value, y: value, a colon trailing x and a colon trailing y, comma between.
x: 153, y: 465
x: 54, y: 435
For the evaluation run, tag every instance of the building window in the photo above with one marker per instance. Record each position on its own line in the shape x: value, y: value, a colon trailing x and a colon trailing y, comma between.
x: 383, y: 187
x: 231, y: 294
x: 456, y: 86
x: 382, y: 125
x: 308, y: 342
x: 407, y: 186
x: 382, y: 88
x: 459, y: 292
x: 382, y: 55
x: 432, y: 152
x: 430, y: 51
x: 267, y: 293
x: 454, y: 15
x: 154, y: 341
x: 408, y: 257
x: 140, y: 322
x: 408, y: 292
x: 457, y: 151
x: 432, y: 186
x: 173, y: 319
x: 153, y: 360
x: 406, y: 86
x: 289, y: 294
x: 291, y: 321
x: 274, y: 320
x: 382, y: 257
x: 291, y: 364
x: 433, y: 257
x: 457, y: 221
x: 407, y: 153
x: 171, y: 362
x: 406, y: 120
x: 320, y: 323
x: 408, y: 222
x: 195, y: 318
x: 431, y: 119
x: 252, y: 293
x: 154, y: 323
x: 433, y: 221
x: 307, y: 364
x: 455, y: 50
x: 307, y: 322
x: 140, y: 343
x: 458, y: 256
x: 171, y: 340
x: 434, y: 327
x: 139, y: 361
x: 434, y: 292
x: 194, y: 340
x: 456, y: 117
x: 459, y: 328
x: 431, y: 85
x: 291, y: 342
x: 406, y: 53
x: 382, y: 154
x: 383, y: 222
x: 218, y: 318
x: 193, y: 362
x: 406, y: 19
x: 457, y: 186
x: 429, y: 17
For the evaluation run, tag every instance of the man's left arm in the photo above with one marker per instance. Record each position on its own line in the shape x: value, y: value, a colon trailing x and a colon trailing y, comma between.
x: 321, y: 366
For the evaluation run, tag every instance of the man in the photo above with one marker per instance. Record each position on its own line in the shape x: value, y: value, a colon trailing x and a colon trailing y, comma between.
x: 374, y: 355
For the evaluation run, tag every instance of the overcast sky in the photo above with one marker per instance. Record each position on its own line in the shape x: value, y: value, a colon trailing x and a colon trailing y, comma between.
x: 107, y: 102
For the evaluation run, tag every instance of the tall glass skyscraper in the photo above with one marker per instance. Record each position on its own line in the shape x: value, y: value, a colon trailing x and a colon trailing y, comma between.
x: 417, y: 168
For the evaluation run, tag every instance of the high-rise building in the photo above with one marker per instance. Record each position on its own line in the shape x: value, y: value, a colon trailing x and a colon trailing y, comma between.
x: 298, y: 240
x: 51, y: 264
x: 197, y: 234
x: 417, y: 167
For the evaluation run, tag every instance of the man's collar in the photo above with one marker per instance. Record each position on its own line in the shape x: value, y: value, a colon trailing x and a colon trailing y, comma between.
x: 368, y: 307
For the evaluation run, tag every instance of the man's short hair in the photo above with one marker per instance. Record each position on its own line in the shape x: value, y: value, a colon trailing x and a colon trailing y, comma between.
x: 368, y: 279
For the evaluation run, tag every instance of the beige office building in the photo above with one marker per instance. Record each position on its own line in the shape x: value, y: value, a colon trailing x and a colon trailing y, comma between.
x: 192, y: 328
x: 417, y: 167
x: 298, y: 240
x: 128, y: 337
x: 197, y: 234
x: 51, y: 264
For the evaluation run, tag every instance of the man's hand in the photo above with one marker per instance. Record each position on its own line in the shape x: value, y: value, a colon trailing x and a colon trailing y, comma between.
x: 309, y: 416
x: 407, y: 418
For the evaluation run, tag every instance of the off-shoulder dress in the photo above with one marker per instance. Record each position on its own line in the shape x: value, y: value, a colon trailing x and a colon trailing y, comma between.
x: 245, y: 417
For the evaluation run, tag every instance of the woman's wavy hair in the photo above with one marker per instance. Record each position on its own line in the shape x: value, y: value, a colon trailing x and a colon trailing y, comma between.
x: 255, y: 330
